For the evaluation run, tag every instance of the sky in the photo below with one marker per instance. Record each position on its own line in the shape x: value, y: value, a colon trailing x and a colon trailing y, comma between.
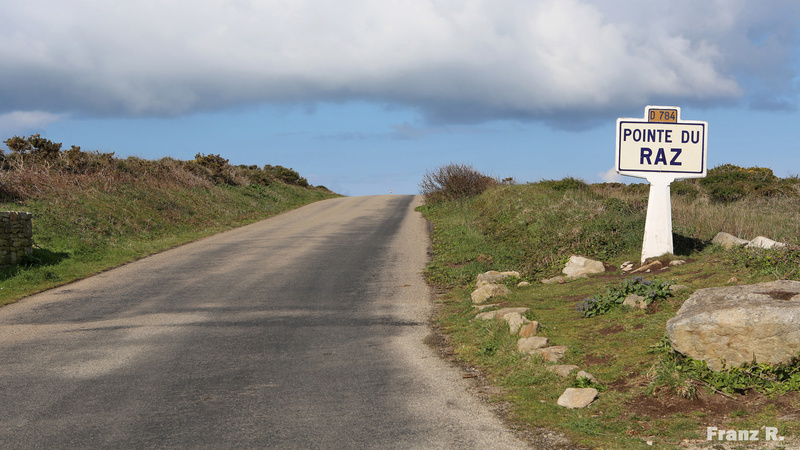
x: 365, y: 97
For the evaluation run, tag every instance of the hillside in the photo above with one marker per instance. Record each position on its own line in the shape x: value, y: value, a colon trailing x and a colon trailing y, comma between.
x: 93, y: 211
x: 648, y: 393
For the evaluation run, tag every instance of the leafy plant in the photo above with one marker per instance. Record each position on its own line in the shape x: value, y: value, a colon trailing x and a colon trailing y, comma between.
x: 614, y: 296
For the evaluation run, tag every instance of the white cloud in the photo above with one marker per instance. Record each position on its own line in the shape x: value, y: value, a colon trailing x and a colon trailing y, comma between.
x: 457, y: 61
x: 611, y: 176
x: 26, y: 122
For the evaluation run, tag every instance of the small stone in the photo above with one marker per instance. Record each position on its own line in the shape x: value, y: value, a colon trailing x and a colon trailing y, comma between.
x: 676, y: 288
x: 677, y: 262
x: 655, y: 265
x: 728, y: 240
x: 552, y: 354
x: 529, y: 329
x: 586, y: 375
x: 634, y: 301
x: 482, y: 307
x: 574, y: 398
x: 763, y: 242
x: 523, y: 284
x: 487, y: 291
x: 559, y: 280
x: 500, y: 313
x: 515, y: 321
x: 562, y: 370
x: 733, y: 280
x: 578, y: 266
x: 493, y: 276
x: 530, y: 344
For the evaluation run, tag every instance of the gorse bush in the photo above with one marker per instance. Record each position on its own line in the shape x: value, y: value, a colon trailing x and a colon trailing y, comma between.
x: 36, y: 167
x: 728, y: 183
x: 453, y: 182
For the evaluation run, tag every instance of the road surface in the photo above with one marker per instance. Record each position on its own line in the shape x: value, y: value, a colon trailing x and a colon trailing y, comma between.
x: 305, y: 330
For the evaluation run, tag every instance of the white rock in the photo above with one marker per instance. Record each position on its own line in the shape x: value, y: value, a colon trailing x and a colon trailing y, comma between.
x: 515, y: 321
x: 493, y: 276
x: 766, y: 243
x: 500, y: 313
x: 728, y: 240
x: 562, y: 370
x: 578, y: 266
x: 587, y: 375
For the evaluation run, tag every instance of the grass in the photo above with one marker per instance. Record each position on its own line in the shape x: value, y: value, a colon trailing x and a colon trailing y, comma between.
x: 119, y: 210
x: 533, y: 228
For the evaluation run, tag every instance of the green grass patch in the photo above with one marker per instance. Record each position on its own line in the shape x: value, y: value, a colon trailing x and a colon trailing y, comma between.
x: 646, y: 395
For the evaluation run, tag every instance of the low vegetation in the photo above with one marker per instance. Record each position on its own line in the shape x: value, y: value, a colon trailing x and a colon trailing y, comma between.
x: 93, y: 210
x: 649, y: 392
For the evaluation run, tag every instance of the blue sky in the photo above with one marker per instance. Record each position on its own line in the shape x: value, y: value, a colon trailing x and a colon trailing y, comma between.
x: 365, y: 97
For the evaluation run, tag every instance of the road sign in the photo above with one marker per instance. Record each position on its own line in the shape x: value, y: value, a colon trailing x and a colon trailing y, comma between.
x: 661, y: 143
x: 662, y: 148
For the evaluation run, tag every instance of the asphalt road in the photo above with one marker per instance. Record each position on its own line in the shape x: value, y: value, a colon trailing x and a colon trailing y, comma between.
x: 305, y: 330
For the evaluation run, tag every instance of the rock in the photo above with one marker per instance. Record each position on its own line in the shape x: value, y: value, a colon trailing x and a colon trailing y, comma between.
x: 766, y: 243
x: 733, y: 280
x: 739, y: 324
x: 552, y: 354
x: 500, y: 313
x: 728, y: 240
x: 562, y: 370
x: 493, y: 277
x: 677, y: 262
x: 635, y: 301
x: 529, y: 329
x: 527, y: 345
x: 676, y: 288
x: 484, y: 306
x: 487, y: 291
x: 559, y: 279
x: 523, y: 284
x: 578, y: 266
x: 626, y: 266
x: 655, y: 265
x: 586, y: 375
x: 574, y: 398
x: 515, y: 321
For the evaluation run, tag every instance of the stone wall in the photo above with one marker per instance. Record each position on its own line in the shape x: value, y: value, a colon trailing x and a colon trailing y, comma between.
x: 16, y: 237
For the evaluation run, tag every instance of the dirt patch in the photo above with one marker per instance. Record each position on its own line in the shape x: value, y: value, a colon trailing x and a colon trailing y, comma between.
x: 611, y: 330
x: 593, y: 360
x: 716, y: 408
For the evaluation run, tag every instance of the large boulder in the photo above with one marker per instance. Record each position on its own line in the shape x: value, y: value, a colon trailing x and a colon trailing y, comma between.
x: 731, y: 326
x: 578, y: 266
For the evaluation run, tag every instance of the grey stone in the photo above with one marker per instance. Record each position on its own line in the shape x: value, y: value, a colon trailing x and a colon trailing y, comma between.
x: 574, y: 398
x: 587, y: 375
x: 493, y: 277
x: 578, y: 266
x: 728, y: 240
x: 562, y: 370
x: 529, y: 344
x: 552, y: 354
x: 635, y: 301
x: 655, y: 265
x: 487, y: 291
x: 515, y: 321
x: 500, y: 313
x: 529, y: 329
x: 555, y: 280
x: 730, y: 326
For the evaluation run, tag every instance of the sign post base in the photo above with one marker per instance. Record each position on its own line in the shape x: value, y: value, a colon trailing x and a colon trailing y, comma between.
x: 658, y: 226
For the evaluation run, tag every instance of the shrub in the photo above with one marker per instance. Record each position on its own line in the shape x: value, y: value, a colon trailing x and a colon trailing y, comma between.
x: 453, y: 182
x: 728, y: 183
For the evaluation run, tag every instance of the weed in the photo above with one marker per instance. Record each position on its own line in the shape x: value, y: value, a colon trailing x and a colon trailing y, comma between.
x: 614, y: 296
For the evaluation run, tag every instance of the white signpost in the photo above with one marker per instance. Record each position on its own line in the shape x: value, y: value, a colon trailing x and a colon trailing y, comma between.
x: 661, y: 148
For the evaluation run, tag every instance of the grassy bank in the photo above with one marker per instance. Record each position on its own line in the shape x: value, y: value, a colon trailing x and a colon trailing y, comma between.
x: 648, y: 393
x: 93, y: 211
